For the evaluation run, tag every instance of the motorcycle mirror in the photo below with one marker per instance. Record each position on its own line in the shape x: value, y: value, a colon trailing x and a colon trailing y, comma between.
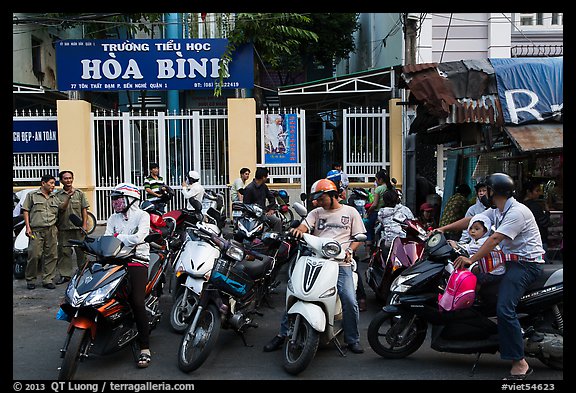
x: 300, y: 209
x: 76, y: 220
x: 303, y: 196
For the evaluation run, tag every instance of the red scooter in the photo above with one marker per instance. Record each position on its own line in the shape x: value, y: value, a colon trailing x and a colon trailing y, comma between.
x: 386, y: 263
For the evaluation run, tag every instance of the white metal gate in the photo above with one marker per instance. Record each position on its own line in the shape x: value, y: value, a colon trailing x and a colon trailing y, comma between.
x: 126, y: 143
x: 365, y: 143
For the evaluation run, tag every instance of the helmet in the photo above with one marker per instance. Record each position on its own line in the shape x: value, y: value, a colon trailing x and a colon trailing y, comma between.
x: 193, y: 175
x: 282, y: 194
x: 124, y: 196
x: 479, y: 185
x: 501, y: 184
x: 321, y: 187
x: 334, y: 175
x: 426, y: 207
x: 125, y: 189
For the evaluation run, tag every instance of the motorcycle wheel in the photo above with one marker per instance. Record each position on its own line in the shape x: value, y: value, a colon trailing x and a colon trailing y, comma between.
x: 79, y: 339
x: 20, y: 266
x: 298, y: 355
x: 554, y: 363
x: 182, y: 311
x: 390, y: 338
x: 91, y: 223
x: 196, y: 345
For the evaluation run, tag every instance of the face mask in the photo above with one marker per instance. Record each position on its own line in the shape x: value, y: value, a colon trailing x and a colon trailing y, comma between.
x: 487, y: 202
x: 119, y: 205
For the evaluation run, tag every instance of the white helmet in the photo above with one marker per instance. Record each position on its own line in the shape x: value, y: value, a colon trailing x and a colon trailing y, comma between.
x: 193, y: 175
x: 126, y: 189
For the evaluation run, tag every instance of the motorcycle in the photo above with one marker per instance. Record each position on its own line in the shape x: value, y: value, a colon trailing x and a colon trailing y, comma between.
x: 283, y: 211
x: 194, y: 262
x: 251, y: 223
x: 229, y: 298
x: 400, y: 328
x: 96, y: 300
x: 359, y: 198
x: 312, y: 302
x: 19, y: 248
x: 213, y: 208
x: 167, y: 193
x: 386, y: 263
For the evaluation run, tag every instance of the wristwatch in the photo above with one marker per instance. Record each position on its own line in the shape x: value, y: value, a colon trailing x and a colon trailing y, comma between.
x: 350, y: 250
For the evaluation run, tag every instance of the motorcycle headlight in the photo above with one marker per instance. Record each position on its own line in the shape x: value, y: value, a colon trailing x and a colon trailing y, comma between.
x: 400, y: 283
x: 331, y: 249
x: 235, y: 253
x: 102, y: 294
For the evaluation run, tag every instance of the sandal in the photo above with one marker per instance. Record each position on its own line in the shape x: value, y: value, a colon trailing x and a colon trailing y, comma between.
x: 144, y: 360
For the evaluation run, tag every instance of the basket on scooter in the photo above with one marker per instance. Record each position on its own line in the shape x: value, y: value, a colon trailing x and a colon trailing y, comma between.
x: 230, y: 278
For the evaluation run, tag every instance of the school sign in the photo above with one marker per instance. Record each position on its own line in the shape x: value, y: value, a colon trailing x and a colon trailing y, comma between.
x: 159, y: 64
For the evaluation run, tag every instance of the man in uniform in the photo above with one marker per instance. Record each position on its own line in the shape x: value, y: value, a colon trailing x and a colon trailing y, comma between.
x: 40, y: 210
x: 78, y: 205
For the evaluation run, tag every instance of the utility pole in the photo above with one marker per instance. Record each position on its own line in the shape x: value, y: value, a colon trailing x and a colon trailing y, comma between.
x: 410, y: 29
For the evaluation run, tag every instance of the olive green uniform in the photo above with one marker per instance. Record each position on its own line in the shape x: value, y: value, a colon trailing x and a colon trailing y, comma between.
x: 67, y: 230
x: 43, y: 214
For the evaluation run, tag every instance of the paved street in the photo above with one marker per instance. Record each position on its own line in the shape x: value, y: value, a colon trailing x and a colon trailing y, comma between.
x: 37, y: 337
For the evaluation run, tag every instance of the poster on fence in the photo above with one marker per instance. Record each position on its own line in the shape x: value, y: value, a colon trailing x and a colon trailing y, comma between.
x: 281, y: 139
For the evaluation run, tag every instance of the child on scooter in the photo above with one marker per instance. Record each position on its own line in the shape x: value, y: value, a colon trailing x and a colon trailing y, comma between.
x: 488, y: 268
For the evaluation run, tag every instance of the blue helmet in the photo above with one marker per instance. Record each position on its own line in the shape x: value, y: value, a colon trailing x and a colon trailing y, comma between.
x: 334, y: 175
x: 282, y: 194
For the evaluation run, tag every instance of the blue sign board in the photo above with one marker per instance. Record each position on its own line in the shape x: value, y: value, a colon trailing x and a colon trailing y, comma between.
x: 281, y: 139
x: 166, y: 64
x: 35, y: 136
x: 530, y: 89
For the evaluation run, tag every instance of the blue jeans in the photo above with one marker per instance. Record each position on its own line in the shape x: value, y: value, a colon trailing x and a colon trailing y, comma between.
x: 519, y: 275
x: 350, y: 312
x: 370, y: 225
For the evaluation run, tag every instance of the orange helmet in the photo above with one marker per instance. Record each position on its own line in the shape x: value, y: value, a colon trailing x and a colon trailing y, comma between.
x: 322, y: 186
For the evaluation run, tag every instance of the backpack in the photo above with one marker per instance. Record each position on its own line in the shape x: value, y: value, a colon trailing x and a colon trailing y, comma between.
x: 460, y: 291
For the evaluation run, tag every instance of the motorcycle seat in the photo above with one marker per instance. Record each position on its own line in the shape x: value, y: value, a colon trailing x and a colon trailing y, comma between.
x: 256, y: 268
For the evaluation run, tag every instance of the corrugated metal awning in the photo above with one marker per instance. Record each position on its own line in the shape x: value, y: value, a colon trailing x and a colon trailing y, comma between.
x: 536, y: 137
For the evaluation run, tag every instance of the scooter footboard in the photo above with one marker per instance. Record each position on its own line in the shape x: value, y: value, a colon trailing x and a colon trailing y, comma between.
x: 312, y: 313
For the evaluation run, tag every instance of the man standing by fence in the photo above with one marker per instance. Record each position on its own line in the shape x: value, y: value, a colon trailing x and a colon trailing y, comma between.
x: 78, y: 205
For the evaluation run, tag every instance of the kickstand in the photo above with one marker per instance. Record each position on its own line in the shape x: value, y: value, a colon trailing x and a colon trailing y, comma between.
x: 339, y: 347
x: 475, y: 364
x: 244, y: 339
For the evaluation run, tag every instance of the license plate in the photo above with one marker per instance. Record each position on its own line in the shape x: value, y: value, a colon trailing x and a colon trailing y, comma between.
x: 236, y: 213
x: 206, y: 205
x: 359, y: 202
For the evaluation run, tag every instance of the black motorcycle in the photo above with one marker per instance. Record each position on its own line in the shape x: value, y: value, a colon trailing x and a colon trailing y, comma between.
x: 229, y: 299
x: 400, y: 328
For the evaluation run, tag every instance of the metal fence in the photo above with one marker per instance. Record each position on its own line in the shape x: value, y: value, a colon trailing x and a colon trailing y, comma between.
x: 127, y: 143
x: 366, y: 142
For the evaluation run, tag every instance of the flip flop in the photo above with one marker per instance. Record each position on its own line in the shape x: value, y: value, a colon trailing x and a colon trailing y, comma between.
x: 518, y: 377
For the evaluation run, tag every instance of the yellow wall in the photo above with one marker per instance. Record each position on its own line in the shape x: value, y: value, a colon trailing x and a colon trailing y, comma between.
x: 395, y: 140
x: 75, y: 149
x: 241, y: 136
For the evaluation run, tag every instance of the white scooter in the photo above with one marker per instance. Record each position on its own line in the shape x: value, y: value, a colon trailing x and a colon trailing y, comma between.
x: 193, y: 264
x: 314, y: 307
x: 20, y: 250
